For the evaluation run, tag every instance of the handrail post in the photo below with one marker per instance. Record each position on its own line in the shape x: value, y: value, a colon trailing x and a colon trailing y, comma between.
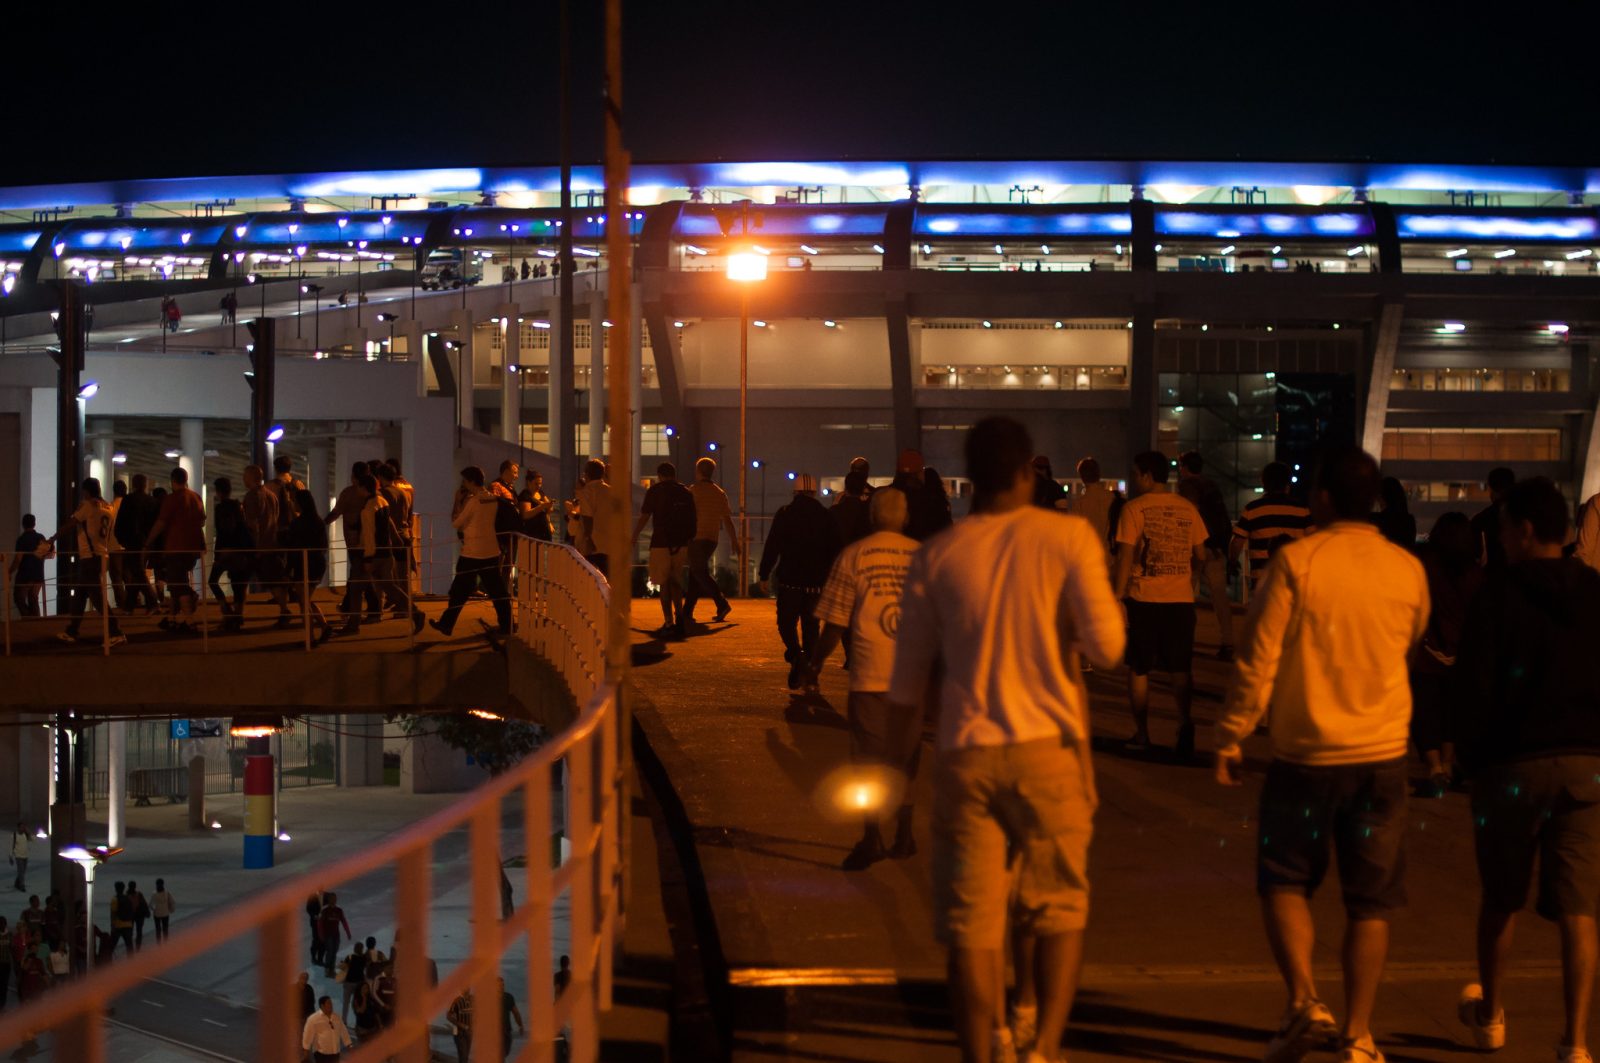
x: 105, y: 607
x: 200, y: 608
x: 5, y: 588
x: 486, y: 873
x: 415, y: 897
x: 539, y: 838
x: 305, y: 593
x: 279, y: 1027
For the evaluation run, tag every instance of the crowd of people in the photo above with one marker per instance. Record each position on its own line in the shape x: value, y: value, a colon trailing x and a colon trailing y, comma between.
x: 1361, y: 648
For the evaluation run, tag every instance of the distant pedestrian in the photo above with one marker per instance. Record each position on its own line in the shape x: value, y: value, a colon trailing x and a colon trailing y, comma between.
x: 861, y: 598
x: 1393, y: 516
x: 995, y: 613
x: 799, y: 551
x: 121, y: 920
x: 136, y: 515
x: 26, y: 568
x: 850, y: 506
x: 263, y: 515
x: 508, y: 1011
x: 479, y: 563
x: 460, y: 1018
x: 140, y: 910
x: 92, y: 522
x: 1270, y: 522
x: 162, y: 905
x: 231, y: 553
x: 507, y: 518
x: 1330, y: 631
x: 1212, y: 571
x: 180, y: 532
x: 712, y: 516
x: 19, y: 856
x: 935, y: 501
x: 1486, y: 522
x: 669, y: 509
x: 306, y: 559
x: 364, y: 1005
x: 329, y: 923
x: 314, y: 917
x: 324, y: 1034
x: 1161, y: 537
x: 563, y: 976
x: 352, y: 975
x: 1094, y: 502
x: 1454, y: 579
x: 1527, y: 696
x: 1047, y: 493
x: 347, y: 509
x: 594, y: 498
x: 174, y: 315
x: 229, y: 304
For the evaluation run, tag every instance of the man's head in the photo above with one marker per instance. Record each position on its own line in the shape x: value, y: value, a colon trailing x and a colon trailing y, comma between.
x: 160, y: 885
x: 805, y: 484
x: 888, y: 510
x: 283, y: 465
x: 594, y: 470
x: 666, y: 471
x: 999, y: 455
x: 326, y: 1004
x: 472, y: 476
x: 368, y: 483
x: 1041, y: 467
x: 1533, y: 520
x: 356, y: 470
x: 118, y: 489
x: 394, y: 463
x: 253, y: 476
x: 28, y: 524
x: 222, y: 486
x: 1275, y: 478
x: 508, y: 472
x: 534, y: 479
x: 1346, y: 486
x: 706, y: 468
x: 138, y: 483
x: 91, y: 487
x: 1500, y: 481
x: 860, y: 465
x: 1190, y: 463
x: 1150, y: 469
x: 382, y: 472
x: 1089, y: 471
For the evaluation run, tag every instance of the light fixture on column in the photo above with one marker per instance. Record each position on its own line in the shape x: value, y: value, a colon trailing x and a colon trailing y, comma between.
x: 259, y: 725
x: 275, y: 434
x: 89, y: 390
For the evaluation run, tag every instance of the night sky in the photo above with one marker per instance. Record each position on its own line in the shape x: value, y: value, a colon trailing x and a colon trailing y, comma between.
x: 339, y: 86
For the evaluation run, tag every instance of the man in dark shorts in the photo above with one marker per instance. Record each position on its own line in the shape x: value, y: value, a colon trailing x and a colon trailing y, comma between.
x: 179, y: 534
x: 1341, y: 714
x: 1527, y: 698
x: 1161, y: 538
x: 27, y: 569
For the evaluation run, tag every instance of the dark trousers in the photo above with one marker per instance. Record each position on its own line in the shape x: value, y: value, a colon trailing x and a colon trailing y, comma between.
x: 5, y: 981
x: 27, y: 597
x: 701, y: 583
x: 127, y: 568
x: 377, y: 579
x: 470, y: 572
x: 123, y: 934
x: 22, y: 871
x: 797, y: 625
x: 162, y: 922
x: 355, y: 589
x: 89, y: 590
x: 464, y: 1043
x: 138, y: 933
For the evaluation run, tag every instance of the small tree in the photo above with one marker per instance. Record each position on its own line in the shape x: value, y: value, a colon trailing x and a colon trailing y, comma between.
x: 497, y: 744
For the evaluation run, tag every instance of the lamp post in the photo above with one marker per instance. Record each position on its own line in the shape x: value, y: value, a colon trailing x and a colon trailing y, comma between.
x: 747, y: 267
x: 89, y: 860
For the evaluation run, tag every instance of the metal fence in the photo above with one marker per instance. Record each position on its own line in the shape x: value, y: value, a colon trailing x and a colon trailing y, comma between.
x: 562, y: 604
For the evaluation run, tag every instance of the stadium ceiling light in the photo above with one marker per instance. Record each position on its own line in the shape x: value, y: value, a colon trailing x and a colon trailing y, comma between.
x: 1453, y: 327
x: 747, y: 266
x: 1573, y: 255
x: 1455, y: 252
x: 276, y: 434
x: 1354, y: 251
x: 1044, y: 249
x: 1555, y: 328
x: 1507, y: 253
x: 89, y: 390
x: 927, y: 250
x: 1230, y: 249
x: 1277, y: 249
x: 1060, y: 325
x: 808, y: 249
x: 988, y: 324
x: 831, y: 323
x: 878, y: 248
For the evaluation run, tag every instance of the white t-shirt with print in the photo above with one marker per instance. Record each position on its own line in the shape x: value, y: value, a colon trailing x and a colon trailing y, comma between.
x: 863, y: 595
x: 94, y: 517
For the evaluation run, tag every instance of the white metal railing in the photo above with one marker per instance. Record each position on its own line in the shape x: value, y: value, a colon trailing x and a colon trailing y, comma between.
x: 562, y: 602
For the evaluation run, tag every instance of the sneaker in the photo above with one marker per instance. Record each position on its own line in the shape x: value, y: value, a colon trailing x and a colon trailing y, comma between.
x: 1024, y: 1023
x: 66, y: 636
x: 1568, y: 1054
x: 1361, y: 1052
x: 867, y: 852
x: 440, y: 628
x: 418, y: 618
x: 722, y: 614
x: 1139, y: 743
x: 1002, y: 1049
x: 1486, y: 1035
x: 1303, y: 1028
x: 796, y: 672
x: 116, y: 640
x: 1185, y: 746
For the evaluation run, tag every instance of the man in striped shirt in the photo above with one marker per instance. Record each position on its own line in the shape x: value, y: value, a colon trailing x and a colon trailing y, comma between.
x: 1269, y: 521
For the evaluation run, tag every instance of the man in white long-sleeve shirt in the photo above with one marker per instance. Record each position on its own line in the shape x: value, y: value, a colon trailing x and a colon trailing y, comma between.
x: 480, y: 555
x: 1330, y: 632
x: 1006, y: 600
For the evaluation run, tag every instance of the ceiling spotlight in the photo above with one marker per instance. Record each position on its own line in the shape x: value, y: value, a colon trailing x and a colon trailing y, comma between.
x: 1507, y: 253
x: 1455, y: 252
x: 89, y: 390
x: 275, y: 434
x: 174, y: 455
x: 119, y: 458
x: 831, y: 324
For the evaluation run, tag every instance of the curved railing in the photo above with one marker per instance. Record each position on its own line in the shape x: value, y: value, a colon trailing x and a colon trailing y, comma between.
x: 561, y: 602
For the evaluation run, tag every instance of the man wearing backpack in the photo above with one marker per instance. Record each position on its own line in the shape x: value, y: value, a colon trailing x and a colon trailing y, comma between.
x: 140, y: 913
x: 670, y: 508
x: 375, y: 559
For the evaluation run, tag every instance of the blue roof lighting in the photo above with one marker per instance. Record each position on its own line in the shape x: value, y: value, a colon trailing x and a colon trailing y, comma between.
x: 935, y: 221
x: 1569, y: 228
x: 122, y: 236
x: 313, y: 229
x: 1231, y: 225
x: 700, y: 222
x: 18, y: 242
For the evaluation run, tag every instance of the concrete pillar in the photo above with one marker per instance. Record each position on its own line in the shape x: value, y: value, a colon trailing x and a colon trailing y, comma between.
x: 317, y: 475
x: 1142, y: 380
x: 100, y: 465
x: 558, y: 403
x: 510, y: 383
x: 361, y: 751
x: 192, y: 441
x: 116, y: 782
x: 597, y: 374
x: 428, y: 454
x: 357, y: 339
x: 462, y: 363
x: 1380, y: 374
x: 411, y: 334
x: 197, y: 793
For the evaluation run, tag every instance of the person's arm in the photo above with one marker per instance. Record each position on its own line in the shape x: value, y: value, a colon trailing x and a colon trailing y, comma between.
x: 832, y: 635
x: 346, y: 923
x: 1256, y: 666
x: 917, y: 642
x: 644, y: 518
x: 459, y: 519
x: 1119, y: 585
x: 369, y: 514
x: 515, y: 1014
x: 772, y: 549
x: 1588, y: 548
x: 1129, y: 528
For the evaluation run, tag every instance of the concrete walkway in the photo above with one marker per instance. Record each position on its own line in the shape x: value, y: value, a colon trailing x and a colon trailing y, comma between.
x: 829, y: 965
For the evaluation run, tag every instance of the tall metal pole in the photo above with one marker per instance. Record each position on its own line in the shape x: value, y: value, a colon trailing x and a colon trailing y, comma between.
x: 744, y: 450
x: 69, y: 435
x: 565, y: 448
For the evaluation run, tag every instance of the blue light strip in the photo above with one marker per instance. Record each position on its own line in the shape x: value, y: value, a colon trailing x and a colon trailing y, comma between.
x: 1569, y: 228
x: 933, y: 222
x: 1264, y: 224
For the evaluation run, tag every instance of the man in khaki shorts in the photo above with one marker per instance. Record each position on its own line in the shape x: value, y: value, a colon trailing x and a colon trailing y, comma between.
x: 670, y: 509
x: 1006, y: 600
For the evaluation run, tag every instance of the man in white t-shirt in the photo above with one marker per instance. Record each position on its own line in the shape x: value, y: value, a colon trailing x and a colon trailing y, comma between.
x: 1006, y: 600
x: 594, y: 501
x: 862, y: 598
x: 92, y: 521
x: 1162, y: 536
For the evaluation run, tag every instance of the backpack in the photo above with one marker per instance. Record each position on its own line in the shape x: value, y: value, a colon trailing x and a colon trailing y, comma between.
x: 677, y: 520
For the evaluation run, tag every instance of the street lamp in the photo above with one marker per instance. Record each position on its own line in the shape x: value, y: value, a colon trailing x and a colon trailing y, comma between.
x: 89, y: 860
x: 745, y: 267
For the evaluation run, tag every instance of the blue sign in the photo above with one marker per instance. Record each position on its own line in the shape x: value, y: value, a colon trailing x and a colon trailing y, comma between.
x: 180, y: 729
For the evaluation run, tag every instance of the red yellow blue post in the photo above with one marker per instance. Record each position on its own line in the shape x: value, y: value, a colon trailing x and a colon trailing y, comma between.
x: 258, y: 806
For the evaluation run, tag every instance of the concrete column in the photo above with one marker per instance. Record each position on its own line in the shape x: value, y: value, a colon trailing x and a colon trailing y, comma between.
x: 116, y: 782
x: 192, y: 441
x: 357, y: 339
x: 510, y: 383
x: 1588, y: 469
x: 462, y: 363
x: 558, y: 404
x: 260, y: 811
x: 104, y: 445
x: 636, y: 374
x: 597, y: 373
x: 317, y: 479
x: 427, y: 451
x: 1142, y: 379
x: 361, y: 751
x: 412, y: 333
x: 1380, y: 374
